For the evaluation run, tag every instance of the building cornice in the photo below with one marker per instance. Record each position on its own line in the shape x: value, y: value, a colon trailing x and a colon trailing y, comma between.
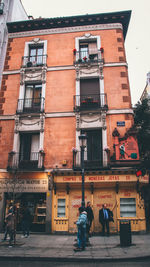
x: 72, y: 22
x: 66, y: 30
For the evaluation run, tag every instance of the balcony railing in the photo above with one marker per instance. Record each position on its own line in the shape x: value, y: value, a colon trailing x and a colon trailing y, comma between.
x: 1, y: 8
x: 83, y: 57
x: 35, y: 160
x: 31, y: 105
x: 34, y: 61
x: 91, y: 164
x: 90, y: 102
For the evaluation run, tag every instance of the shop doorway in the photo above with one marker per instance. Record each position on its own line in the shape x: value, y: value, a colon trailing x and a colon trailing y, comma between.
x: 61, y: 213
x: 36, y: 202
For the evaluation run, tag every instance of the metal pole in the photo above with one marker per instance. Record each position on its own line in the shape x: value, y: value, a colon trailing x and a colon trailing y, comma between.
x: 82, y: 171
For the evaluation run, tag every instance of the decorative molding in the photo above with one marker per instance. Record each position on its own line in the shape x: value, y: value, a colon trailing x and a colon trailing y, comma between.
x: 119, y: 111
x: 59, y: 114
x: 69, y: 67
x: 116, y: 64
x: 104, y: 121
x: 42, y: 120
x: 70, y: 114
x: 88, y: 121
x: 108, y: 26
x: 35, y: 74
x: 77, y: 122
x: 17, y: 122
x: 36, y: 40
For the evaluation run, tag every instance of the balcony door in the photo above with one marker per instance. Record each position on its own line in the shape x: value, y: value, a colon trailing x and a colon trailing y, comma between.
x: 29, y: 147
x: 93, y: 152
x: 32, y: 101
x: 88, y: 50
x: 36, y: 54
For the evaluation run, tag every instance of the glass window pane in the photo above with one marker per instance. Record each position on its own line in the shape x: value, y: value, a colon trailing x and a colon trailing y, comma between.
x: 127, y: 207
x: 61, y: 208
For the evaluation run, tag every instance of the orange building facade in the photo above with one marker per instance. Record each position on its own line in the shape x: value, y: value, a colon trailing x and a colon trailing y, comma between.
x: 64, y: 77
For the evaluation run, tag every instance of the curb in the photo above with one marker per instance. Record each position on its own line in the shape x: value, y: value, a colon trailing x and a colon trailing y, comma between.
x: 72, y: 259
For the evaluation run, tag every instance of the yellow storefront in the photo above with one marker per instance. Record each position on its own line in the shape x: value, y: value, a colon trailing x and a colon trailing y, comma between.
x: 119, y: 192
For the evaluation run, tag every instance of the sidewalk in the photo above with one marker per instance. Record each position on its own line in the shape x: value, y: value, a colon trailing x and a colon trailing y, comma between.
x: 60, y: 247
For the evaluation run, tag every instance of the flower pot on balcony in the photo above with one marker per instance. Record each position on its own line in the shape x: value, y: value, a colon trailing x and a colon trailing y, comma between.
x: 74, y: 51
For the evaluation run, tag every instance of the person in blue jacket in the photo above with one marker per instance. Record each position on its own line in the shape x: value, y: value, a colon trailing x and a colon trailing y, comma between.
x: 81, y: 235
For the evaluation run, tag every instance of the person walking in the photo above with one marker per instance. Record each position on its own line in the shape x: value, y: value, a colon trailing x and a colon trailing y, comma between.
x: 81, y: 235
x: 105, y: 216
x: 7, y: 223
x: 26, y: 221
x: 10, y: 226
x: 90, y: 218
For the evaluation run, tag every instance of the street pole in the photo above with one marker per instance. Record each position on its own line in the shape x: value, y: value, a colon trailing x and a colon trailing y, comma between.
x: 82, y: 171
x: 82, y: 141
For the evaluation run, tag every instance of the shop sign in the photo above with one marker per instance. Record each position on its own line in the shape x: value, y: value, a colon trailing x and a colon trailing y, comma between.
x: 23, y: 185
x: 99, y: 178
x: 120, y: 123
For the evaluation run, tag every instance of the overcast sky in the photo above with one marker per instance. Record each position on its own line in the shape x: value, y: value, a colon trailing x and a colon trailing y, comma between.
x: 138, y: 36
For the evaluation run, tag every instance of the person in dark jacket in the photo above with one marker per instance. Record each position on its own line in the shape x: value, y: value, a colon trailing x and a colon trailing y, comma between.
x: 105, y: 216
x: 26, y: 221
x: 90, y: 218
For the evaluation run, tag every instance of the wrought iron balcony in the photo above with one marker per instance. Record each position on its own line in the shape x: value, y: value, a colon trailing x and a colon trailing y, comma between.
x: 1, y: 8
x: 91, y: 164
x: 84, y: 57
x: 34, y: 61
x: 30, y: 161
x: 31, y: 105
x: 90, y: 102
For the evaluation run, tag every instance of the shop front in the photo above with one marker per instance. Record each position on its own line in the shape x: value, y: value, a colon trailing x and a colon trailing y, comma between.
x: 119, y: 192
x: 32, y: 193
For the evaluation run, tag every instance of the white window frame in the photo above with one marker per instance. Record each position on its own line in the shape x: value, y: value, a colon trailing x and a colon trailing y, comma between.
x: 36, y: 43
x: 126, y: 206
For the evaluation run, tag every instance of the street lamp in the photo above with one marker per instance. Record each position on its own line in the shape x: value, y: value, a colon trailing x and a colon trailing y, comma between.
x: 82, y: 142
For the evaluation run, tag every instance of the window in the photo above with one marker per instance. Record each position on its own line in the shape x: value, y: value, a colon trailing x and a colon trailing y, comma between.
x: 29, y: 147
x: 61, y: 207
x: 93, y: 152
x: 127, y: 207
x: 89, y: 93
x: 32, y: 97
x: 88, y: 50
x: 36, y: 54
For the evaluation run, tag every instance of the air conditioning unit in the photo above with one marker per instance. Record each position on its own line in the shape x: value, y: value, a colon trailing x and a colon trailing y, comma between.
x: 29, y: 64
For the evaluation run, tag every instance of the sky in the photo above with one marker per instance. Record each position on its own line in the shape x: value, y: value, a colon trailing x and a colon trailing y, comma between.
x: 137, y: 43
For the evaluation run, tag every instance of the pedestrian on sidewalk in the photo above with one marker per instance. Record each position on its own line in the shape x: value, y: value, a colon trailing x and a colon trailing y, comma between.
x: 81, y: 234
x: 6, y: 223
x: 10, y: 226
x: 90, y: 218
x: 105, y: 216
x: 26, y: 221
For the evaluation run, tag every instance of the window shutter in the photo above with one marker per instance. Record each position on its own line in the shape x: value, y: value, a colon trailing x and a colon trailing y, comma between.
x: 34, y: 147
x: 92, y: 48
